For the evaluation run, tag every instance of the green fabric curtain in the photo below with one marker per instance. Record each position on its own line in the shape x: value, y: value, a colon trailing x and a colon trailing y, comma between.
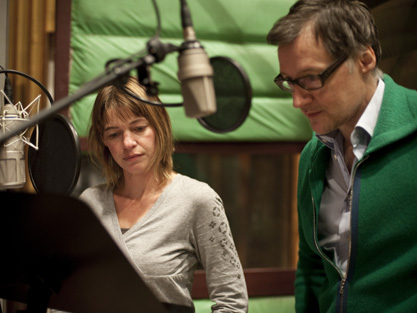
x: 103, y: 30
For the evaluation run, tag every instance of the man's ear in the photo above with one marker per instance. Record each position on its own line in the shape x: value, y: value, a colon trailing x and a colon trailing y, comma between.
x: 367, y: 60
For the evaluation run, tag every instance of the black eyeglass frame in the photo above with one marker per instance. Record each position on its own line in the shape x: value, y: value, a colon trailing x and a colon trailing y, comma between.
x: 323, y: 76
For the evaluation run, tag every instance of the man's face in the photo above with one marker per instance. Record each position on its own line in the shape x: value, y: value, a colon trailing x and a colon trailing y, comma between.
x: 342, y: 99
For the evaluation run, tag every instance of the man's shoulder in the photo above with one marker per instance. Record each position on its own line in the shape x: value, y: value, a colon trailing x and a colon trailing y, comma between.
x: 399, y: 107
x: 393, y: 89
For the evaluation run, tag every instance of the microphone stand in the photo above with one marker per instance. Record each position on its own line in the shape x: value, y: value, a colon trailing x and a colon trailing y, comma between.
x: 156, y: 53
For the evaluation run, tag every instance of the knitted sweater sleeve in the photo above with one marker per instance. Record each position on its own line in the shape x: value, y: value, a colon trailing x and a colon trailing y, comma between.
x: 217, y: 253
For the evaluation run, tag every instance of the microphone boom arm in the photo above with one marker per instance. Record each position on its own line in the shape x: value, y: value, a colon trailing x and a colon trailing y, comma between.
x: 156, y: 53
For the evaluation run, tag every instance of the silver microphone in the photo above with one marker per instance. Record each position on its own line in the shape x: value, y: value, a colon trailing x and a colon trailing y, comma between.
x: 12, y: 153
x: 195, y: 72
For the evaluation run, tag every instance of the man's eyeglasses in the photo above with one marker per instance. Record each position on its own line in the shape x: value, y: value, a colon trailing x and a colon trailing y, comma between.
x: 309, y: 82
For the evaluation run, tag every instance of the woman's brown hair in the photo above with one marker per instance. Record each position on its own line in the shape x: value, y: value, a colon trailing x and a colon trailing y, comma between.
x: 112, y: 98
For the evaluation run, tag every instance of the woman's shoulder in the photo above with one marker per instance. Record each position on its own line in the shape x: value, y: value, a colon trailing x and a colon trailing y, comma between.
x: 193, y: 189
x: 98, y: 198
x: 96, y: 193
x: 192, y: 185
x: 196, y: 196
x: 97, y: 189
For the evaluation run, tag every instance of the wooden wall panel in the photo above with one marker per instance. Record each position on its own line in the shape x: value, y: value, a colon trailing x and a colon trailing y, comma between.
x: 31, y: 27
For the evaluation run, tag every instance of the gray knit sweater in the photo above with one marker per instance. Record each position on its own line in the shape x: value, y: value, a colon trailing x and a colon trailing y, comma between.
x: 185, y: 226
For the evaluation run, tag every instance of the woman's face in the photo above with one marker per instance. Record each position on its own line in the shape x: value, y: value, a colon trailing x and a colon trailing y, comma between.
x: 131, y: 143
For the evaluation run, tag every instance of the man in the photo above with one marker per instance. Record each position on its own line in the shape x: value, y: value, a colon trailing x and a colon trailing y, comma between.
x: 357, y: 195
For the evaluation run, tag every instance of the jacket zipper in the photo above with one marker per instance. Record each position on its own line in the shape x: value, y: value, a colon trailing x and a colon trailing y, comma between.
x: 342, y: 283
x: 343, y: 277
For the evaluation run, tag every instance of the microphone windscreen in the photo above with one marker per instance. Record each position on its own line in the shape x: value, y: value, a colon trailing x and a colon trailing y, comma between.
x: 233, y: 96
x: 55, y: 167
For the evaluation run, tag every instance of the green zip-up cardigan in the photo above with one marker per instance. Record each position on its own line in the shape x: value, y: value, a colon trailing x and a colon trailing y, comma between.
x: 382, y: 268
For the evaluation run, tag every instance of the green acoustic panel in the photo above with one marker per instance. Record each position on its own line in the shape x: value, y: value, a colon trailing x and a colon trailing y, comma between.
x: 104, y: 30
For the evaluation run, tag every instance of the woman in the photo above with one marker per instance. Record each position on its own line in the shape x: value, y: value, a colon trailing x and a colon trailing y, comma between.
x: 165, y: 222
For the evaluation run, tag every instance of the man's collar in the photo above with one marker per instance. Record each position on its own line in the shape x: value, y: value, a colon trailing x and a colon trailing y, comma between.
x: 370, y: 116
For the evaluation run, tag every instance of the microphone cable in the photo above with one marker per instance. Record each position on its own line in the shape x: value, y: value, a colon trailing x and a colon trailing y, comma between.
x: 119, y: 62
x: 6, y: 71
x: 158, y: 19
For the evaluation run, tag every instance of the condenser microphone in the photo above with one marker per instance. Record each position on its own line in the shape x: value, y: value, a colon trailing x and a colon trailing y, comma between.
x: 12, y: 153
x: 195, y: 72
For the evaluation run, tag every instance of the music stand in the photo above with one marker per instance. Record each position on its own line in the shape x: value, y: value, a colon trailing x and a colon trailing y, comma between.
x: 57, y: 254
